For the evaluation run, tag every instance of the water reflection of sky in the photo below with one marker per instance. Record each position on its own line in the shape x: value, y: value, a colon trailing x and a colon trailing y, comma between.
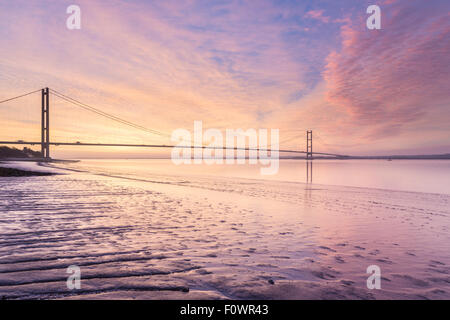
x: 432, y: 176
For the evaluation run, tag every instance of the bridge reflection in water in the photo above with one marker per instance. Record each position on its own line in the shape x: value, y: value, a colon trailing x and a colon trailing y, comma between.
x: 309, y: 171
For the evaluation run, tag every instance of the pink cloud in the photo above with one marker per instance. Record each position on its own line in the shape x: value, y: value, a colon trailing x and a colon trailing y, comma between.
x: 318, y: 15
x: 390, y: 78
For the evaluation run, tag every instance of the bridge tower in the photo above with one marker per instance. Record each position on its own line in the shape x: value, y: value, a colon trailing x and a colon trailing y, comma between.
x: 45, y: 125
x: 309, y: 145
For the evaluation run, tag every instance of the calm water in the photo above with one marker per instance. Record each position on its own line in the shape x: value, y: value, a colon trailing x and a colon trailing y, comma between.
x: 431, y: 176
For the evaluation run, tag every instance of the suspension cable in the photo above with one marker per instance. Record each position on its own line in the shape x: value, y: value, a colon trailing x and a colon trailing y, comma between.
x: 22, y: 95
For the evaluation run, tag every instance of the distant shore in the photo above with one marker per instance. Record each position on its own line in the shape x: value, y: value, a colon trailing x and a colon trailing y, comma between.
x: 393, y: 157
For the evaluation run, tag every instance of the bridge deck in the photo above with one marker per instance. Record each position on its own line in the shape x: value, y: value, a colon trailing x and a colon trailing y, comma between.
x: 155, y: 146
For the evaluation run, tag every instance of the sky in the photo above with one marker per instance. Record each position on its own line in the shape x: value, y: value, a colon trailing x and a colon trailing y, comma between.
x: 283, y: 64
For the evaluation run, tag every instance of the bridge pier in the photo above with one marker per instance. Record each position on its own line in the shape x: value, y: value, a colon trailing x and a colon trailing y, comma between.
x: 45, y: 125
x: 309, y: 145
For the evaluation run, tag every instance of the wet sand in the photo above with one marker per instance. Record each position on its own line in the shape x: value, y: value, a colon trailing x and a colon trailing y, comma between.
x: 179, y: 237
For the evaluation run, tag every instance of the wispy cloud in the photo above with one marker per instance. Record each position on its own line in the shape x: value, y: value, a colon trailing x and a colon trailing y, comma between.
x: 387, y: 79
x: 318, y: 15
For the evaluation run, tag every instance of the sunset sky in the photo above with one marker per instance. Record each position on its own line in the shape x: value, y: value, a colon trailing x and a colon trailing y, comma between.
x: 291, y: 65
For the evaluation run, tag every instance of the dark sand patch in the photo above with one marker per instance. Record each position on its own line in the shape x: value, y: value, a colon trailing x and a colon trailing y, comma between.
x: 11, y: 172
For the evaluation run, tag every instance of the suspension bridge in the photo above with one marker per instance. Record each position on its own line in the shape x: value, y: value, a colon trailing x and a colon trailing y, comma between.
x: 45, y: 142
